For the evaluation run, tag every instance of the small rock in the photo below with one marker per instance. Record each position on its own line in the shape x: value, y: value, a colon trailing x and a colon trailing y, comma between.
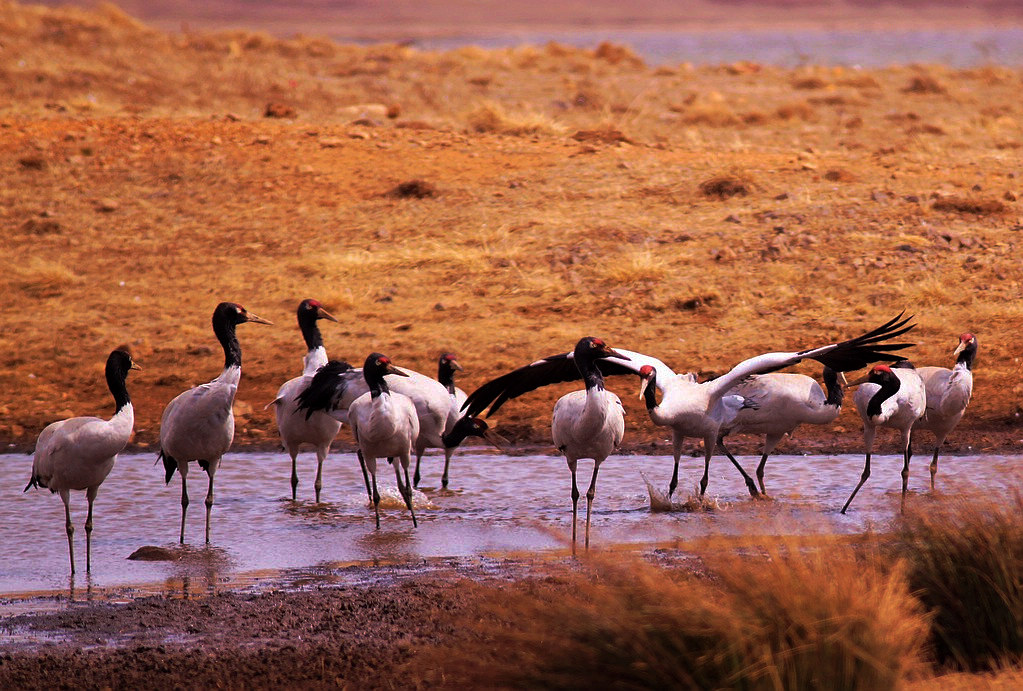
x: 732, y: 218
x: 107, y: 205
x: 279, y: 110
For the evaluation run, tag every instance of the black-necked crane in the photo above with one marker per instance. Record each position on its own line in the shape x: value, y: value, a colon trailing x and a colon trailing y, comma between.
x: 891, y: 397
x: 385, y: 425
x: 79, y: 453
x: 948, y: 394
x: 691, y: 408
x: 781, y: 402
x: 198, y: 424
x: 585, y: 424
x: 318, y: 429
x: 336, y: 385
x: 447, y: 365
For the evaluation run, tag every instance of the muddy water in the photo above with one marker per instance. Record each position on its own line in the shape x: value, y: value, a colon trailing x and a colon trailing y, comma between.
x: 961, y: 47
x: 495, y: 504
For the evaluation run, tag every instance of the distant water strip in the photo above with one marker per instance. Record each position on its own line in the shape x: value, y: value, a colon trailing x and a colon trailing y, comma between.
x: 961, y: 48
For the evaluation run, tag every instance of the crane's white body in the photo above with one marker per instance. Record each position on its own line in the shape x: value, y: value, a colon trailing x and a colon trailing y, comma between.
x: 948, y: 393
x: 900, y: 411
x: 198, y: 424
x: 78, y: 454
x: 781, y: 402
x: 295, y: 428
x: 385, y: 426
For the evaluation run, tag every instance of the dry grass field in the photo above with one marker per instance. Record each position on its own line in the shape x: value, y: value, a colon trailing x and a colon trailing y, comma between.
x: 702, y: 215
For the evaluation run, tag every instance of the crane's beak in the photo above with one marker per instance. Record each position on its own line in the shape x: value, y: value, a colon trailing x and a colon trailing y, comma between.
x: 391, y: 369
x: 134, y: 365
x: 611, y: 352
x: 496, y: 440
x: 250, y: 317
x: 324, y: 314
x: 842, y: 380
x: 862, y: 380
x: 454, y: 363
x: 960, y: 348
x: 644, y: 382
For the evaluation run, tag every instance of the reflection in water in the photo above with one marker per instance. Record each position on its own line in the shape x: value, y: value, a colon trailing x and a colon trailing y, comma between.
x: 496, y: 504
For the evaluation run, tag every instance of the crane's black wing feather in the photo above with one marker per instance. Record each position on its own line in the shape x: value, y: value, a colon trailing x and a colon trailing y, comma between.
x: 550, y: 370
x: 326, y: 389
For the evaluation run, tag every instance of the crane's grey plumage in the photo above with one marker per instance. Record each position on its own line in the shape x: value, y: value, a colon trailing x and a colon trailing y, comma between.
x: 948, y: 394
x: 385, y: 425
x: 585, y: 424
x: 689, y: 407
x: 781, y: 401
x: 889, y: 397
x: 79, y: 453
x: 198, y: 425
x: 318, y: 429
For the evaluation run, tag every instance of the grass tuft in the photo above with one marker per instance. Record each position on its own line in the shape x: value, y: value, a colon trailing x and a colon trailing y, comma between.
x: 965, y: 562
x: 491, y: 117
x: 795, y: 617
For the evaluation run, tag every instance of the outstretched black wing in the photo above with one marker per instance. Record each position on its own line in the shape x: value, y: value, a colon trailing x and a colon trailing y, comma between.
x: 327, y: 387
x: 859, y: 352
x: 550, y: 370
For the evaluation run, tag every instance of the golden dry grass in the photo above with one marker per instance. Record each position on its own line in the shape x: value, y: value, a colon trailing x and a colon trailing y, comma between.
x: 143, y: 185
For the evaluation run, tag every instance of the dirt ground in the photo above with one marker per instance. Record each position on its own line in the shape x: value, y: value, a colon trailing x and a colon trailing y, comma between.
x: 500, y: 204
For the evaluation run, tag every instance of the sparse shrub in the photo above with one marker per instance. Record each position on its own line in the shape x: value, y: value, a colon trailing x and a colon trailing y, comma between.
x: 42, y: 278
x: 413, y: 189
x: 809, y: 83
x: 923, y: 84
x: 711, y: 115
x: 491, y: 117
x: 616, y: 54
x: 725, y: 186
x: 800, y: 110
x: 964, y: 205
x: 965, y: 563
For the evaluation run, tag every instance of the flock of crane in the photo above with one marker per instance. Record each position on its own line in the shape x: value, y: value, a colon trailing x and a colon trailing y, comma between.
x: 395, y: 413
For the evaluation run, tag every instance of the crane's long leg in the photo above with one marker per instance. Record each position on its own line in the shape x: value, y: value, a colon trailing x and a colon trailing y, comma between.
x: 321, y: 456
x: 294, y: 475
x: 184, y: 505
x: 376, y: 498
x: 590, y: 493
x: 406, y: 489
x: 365, y: 475
x: 868, y: 441
x: 209, y: 504
x: 676, y: 450
x: 907, y: 454
x: 934, y: 461
x: 447, y: 462
x: 419, y: 457
x: 745, y: 476
x: 770, y: 442
x: 575, y: 501
x: 65, y: 496
x: 90, y: 494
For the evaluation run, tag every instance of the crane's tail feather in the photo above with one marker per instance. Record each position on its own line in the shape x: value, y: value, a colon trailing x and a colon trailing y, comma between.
x: 169, y: 465
x: 33, y: 482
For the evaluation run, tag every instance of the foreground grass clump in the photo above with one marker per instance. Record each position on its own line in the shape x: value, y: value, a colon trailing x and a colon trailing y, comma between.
x: 791, y: 618
x: 965, y: 563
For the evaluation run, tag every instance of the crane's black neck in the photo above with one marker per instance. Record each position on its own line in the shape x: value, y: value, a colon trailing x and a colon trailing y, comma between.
x: 117, y: 374
x: 465, y: 426
x: 224, y: 330
x: 588, y: 369
x: 836, y: 392
x: 649, y: 395
x: 310, y: 331
x: 374, y: 375
x: 446, y: 376
x: 890, y: 385
x: 968, y: 355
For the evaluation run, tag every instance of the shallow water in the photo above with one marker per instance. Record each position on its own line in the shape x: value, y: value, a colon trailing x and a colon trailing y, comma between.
x: 496, y: 504
x: 966, y: 47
